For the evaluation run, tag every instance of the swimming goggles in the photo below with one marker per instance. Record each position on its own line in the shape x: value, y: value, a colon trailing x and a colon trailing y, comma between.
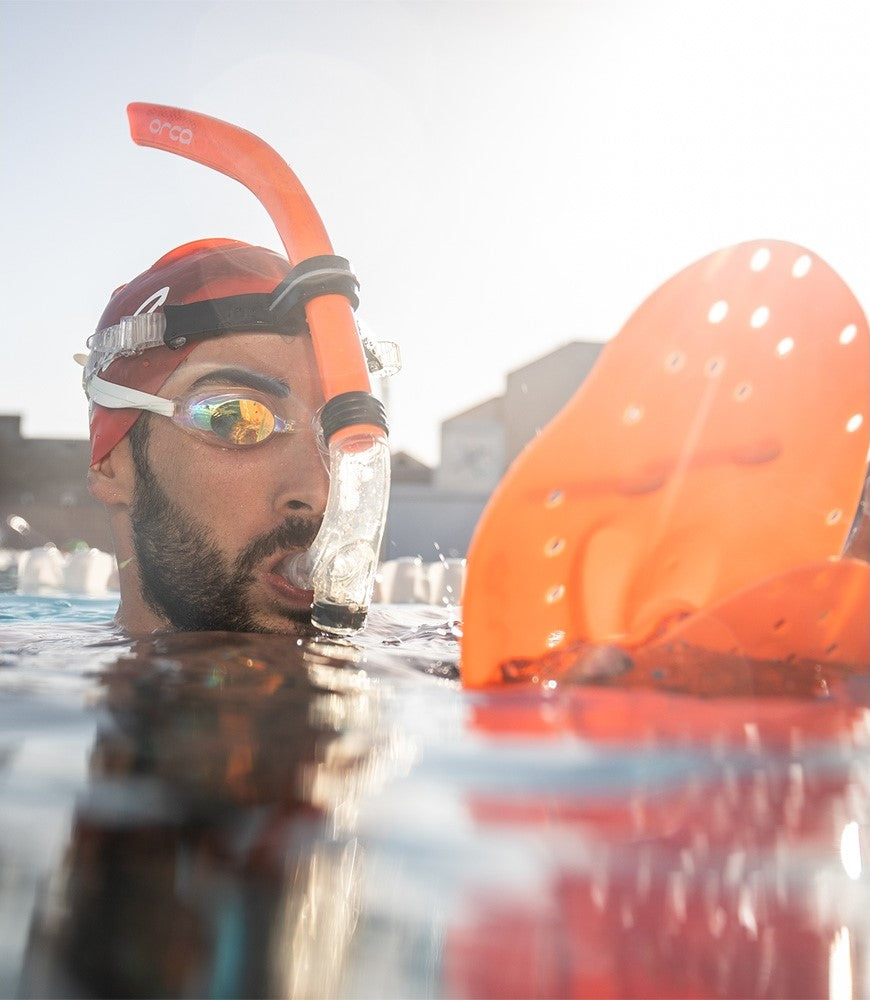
x: 227, y: 420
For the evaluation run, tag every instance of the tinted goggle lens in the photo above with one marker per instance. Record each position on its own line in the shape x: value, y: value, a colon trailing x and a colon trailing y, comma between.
x: 239, y: 421
x: 236, y: 421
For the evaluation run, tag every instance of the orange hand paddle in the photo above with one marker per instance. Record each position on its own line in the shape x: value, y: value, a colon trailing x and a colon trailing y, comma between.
x: 720, y: 440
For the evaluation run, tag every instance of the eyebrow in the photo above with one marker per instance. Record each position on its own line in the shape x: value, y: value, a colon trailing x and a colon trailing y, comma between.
x: 243, y: 377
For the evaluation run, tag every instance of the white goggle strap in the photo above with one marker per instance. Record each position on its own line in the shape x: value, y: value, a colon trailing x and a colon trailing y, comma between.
x: 119, y: 397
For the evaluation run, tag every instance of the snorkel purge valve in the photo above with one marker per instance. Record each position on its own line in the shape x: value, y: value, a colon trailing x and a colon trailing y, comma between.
x: 341, y: 564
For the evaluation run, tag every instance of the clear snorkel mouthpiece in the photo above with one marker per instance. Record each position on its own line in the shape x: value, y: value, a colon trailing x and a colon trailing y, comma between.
x: 342, y: 562
x: 344, y: 556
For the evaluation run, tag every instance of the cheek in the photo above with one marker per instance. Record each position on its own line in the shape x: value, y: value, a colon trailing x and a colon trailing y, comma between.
x: 217, y: 487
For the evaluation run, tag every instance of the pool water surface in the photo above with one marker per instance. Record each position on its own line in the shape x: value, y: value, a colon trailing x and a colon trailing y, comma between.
x: 227, y: 815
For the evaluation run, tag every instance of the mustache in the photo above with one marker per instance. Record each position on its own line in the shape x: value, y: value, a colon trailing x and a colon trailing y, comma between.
x: 295, y: 532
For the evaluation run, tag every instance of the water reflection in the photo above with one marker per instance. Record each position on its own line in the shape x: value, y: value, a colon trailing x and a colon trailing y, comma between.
x: 212, y: 853
x: 227, y: 815
x: 712, y: 873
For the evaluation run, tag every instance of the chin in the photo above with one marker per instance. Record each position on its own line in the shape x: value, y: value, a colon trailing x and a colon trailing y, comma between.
x: 290, y: 621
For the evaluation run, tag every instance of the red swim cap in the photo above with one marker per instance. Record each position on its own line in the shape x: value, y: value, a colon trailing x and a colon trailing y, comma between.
x: 205, y: 269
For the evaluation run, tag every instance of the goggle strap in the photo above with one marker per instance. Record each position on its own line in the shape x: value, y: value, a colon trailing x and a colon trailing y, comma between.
x: 281, y: 311
x: 247, y: 313
x: 119, y: 397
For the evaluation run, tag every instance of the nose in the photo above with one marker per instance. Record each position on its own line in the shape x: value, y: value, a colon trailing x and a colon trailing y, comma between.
x: 305, y: 479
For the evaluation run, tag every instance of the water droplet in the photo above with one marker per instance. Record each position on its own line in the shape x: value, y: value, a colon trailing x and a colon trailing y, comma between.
x: 785, y: 346
x: 854, y: 422
x: 555, y: 593
x: 554, y: 638
x: 743, y: 391
x: 554, y: 499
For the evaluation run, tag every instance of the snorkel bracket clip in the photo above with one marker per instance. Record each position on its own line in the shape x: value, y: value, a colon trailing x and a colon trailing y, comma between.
x: 323, y: 274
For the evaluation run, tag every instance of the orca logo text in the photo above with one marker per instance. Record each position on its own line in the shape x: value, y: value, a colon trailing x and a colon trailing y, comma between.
x: 176, y: 132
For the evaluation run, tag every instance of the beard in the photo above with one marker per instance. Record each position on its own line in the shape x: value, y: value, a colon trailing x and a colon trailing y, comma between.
x: 184, y: 576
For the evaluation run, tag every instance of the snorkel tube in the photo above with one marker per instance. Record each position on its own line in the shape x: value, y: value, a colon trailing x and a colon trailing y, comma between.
x: 341, y: 564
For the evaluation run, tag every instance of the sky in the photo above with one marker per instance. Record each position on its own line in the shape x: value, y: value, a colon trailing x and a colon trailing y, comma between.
x: 505, y: 177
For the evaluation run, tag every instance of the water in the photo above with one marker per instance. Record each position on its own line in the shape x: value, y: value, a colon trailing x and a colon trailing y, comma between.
x: 231, y: 815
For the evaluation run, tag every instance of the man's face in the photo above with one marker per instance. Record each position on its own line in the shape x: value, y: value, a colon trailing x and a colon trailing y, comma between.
x: 211, y: 525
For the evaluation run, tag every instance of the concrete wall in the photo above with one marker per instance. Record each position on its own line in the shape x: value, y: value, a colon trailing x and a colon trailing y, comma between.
x: 44, y: 481
x: 535, y: 393
x: 428, y: 523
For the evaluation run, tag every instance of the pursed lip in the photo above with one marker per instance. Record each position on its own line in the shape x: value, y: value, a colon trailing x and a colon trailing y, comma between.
x: 296, y: 596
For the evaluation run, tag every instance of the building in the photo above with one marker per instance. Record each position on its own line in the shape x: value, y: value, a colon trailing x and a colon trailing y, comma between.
x: 44, y: 482
x: 477, y: 446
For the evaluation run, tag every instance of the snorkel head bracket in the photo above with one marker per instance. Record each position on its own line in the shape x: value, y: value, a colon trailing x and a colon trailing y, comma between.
x: 324, y: 274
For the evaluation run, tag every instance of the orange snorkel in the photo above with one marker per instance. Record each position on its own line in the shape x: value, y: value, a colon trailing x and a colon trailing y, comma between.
x: 342, y: 561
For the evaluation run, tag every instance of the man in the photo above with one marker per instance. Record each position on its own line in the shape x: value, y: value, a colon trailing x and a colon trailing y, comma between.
x: 224, y: 479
